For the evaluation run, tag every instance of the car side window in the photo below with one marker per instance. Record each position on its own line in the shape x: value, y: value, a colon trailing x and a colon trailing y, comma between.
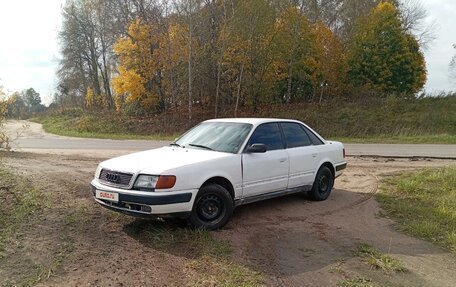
x: 313, y: 138
x: 268, y: 134
x: 295, y: 136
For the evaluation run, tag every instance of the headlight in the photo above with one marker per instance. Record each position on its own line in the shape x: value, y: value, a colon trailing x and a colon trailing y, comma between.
x: 150, y: 182
x: 146, y: 181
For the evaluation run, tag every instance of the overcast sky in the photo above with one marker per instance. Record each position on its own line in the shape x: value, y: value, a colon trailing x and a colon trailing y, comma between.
x: 29, y: 47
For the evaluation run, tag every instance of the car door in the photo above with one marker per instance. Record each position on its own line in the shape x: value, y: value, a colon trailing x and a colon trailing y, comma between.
x: 265, y: 172
x: 302, y: 155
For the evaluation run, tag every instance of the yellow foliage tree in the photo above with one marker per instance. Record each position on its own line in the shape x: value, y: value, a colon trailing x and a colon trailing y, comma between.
x: 173, y: 53
x: 331, y: 66
x: 89, y: 98
x: 139, y: 66
x: 93, y: 101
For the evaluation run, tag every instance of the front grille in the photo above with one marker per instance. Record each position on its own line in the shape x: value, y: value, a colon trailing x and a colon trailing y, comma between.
x: 115, y: 178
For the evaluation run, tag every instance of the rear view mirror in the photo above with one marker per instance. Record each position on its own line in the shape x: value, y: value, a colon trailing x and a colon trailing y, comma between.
x: 257, y: 148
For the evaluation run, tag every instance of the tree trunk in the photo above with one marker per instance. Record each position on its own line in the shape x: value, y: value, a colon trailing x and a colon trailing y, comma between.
x: 104, y: 71
x: 290, y: 79
x: 217, y: 90
x: 190, y: 60
x: 94, y: 65
x: 238, y: 91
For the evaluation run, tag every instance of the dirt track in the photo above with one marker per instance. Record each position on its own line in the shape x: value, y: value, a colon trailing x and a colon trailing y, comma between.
x: 290, y: 240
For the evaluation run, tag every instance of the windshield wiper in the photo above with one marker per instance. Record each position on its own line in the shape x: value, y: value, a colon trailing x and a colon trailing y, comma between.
x: 176, y: 144
x: 201, y: 146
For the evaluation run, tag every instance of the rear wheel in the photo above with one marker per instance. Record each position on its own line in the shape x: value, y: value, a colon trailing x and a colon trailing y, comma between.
x: 322, y: 185
x: 213, y: 207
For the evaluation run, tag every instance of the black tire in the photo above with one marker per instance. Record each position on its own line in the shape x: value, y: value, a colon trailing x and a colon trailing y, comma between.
x: 323, y: 184
x: 212, y: 208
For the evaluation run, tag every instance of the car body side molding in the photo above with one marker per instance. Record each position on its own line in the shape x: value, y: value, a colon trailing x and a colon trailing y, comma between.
x: 270, y: 195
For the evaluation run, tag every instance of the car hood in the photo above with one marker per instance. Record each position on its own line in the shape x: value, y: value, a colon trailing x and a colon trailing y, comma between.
x: 161, y: 160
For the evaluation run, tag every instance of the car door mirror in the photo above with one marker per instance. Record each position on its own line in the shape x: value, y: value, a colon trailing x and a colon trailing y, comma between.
x: 257, y: 148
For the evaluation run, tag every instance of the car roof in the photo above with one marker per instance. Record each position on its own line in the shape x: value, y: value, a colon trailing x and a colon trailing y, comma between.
x: 253, y: 121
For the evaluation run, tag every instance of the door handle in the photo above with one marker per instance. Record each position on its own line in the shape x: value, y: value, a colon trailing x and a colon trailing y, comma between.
x: 314, y: 154
x: 283, y: 160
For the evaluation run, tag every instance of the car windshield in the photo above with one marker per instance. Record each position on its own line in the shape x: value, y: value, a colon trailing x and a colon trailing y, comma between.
x: 216, y: 136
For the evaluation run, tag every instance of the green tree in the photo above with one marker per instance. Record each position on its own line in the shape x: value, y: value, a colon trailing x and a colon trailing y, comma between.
x: 32, y: 101
x: 294, y: 51
x: 16, y: 107
x: 383, y: 56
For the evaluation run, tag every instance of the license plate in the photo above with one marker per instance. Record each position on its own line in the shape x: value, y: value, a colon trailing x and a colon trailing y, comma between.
x: 106, y: 195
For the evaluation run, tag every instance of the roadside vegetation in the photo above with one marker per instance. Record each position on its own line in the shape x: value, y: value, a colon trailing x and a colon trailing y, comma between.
x: 424, y: 204
x: 379, y: 260
x: 357, y: 282
x: 390, y: 120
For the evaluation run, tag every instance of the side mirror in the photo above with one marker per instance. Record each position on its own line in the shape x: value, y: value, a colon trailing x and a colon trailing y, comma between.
x: 257, y: 148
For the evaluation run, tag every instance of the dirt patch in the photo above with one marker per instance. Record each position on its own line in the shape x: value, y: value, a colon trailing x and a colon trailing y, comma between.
x: 291, y: 241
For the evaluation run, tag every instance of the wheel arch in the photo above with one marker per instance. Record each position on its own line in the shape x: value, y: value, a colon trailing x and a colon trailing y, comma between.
x: 329, y: 165
x: 222, y: 181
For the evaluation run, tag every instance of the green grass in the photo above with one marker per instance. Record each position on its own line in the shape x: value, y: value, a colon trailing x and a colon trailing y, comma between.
x: 391, y: 120
x: 424, y: 204
x: 88, y: 126
x: 211, y: 262
x: 378, y: 260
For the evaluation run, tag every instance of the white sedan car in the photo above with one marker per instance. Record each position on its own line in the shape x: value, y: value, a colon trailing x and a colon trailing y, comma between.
x: 218, y: 165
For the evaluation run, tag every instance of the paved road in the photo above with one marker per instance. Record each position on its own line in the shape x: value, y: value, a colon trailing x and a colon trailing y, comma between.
x: 30, y: 137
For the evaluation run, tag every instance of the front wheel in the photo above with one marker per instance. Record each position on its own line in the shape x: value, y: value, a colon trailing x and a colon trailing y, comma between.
x: 322, y: 185
x: 213, y: 207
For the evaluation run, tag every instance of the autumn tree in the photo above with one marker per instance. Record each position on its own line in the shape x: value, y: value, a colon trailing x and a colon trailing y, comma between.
x: 384, y: 57
x: 294, y: 47
x: 139, y: 78
x: 331, y: 66
x: 248, y: 54
x: 89, y: 31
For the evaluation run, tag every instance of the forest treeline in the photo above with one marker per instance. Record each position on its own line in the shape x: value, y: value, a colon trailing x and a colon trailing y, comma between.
x: 144, y: 56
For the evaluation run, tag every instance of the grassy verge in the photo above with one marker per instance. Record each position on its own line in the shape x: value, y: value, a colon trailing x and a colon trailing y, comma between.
x: 424, y: 204
x: 88, y: 126
x: 391, y: 120
x: 211, y: 261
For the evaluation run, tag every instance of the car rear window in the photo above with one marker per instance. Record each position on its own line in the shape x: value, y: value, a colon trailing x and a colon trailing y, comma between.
x: 313, y: 138
x: 295, y: 136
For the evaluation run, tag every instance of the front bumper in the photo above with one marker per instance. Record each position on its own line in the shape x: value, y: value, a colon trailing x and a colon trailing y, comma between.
x: 145, y: 204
